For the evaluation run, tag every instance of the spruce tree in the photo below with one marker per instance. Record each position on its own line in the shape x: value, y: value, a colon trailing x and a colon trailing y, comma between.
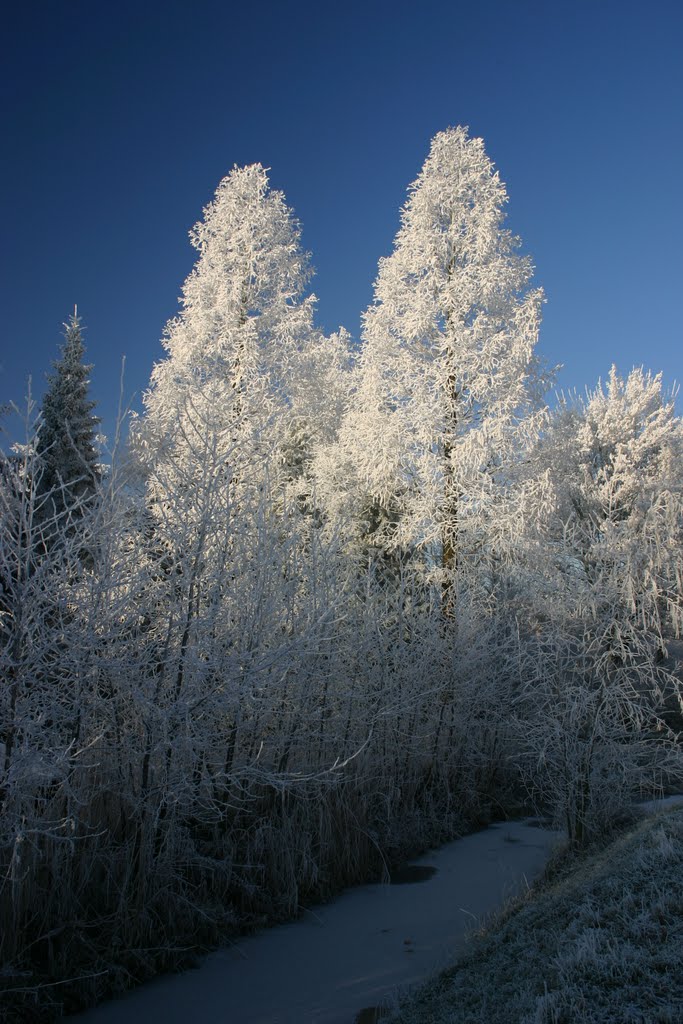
x: 66, y: 444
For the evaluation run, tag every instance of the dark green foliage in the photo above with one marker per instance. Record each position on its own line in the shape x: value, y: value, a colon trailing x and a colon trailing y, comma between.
x: 66, y: 444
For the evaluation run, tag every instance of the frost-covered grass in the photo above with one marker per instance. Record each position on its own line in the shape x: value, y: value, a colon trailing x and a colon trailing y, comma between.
x: 600, y: 941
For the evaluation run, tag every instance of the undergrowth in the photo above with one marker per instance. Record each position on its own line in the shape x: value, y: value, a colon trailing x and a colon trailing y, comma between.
x: 304, y: 848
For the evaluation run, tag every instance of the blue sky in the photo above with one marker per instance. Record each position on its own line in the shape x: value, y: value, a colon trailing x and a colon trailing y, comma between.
x: 118, y: 121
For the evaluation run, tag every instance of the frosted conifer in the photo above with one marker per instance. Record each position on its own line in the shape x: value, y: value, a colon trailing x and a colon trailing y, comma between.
x: 448, y: 373
x: 245, y: 365
x: 66, y: 444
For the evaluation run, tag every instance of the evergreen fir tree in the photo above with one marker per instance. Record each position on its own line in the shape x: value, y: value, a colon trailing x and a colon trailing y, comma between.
x: 66, y: 443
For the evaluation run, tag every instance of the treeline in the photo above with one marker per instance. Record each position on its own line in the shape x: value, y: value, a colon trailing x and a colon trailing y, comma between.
x: 329, y: 603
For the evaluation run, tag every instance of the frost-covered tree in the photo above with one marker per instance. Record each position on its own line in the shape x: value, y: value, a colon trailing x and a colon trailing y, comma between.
x: 223, y: 430
x: 605, y: 500
x: 249, y: 384
x: 247, y: 390
x: 599, y: 599
x: 66, y: 445
x: 447, y: 372
x: 240, y: 351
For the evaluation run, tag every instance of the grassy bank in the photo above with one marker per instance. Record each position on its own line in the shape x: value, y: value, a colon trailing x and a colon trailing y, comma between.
x: 599, y: 941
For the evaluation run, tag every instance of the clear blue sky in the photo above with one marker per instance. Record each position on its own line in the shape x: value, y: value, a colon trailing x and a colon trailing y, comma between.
x: 119, y: 119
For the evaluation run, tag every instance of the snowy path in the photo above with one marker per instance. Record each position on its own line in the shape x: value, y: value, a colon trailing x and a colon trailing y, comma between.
x: 349, y: 954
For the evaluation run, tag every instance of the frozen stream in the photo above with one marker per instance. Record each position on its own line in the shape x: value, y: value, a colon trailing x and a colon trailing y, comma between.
x: 346, y: 956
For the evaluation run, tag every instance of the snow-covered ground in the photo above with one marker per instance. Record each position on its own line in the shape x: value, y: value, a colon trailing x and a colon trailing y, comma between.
x: 349, y: 954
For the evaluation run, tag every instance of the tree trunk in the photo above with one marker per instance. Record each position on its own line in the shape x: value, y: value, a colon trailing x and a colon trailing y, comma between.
x: 449, y: 528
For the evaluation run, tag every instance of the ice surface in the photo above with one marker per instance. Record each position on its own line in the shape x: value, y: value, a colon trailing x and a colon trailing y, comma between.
x: 349, y: 954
